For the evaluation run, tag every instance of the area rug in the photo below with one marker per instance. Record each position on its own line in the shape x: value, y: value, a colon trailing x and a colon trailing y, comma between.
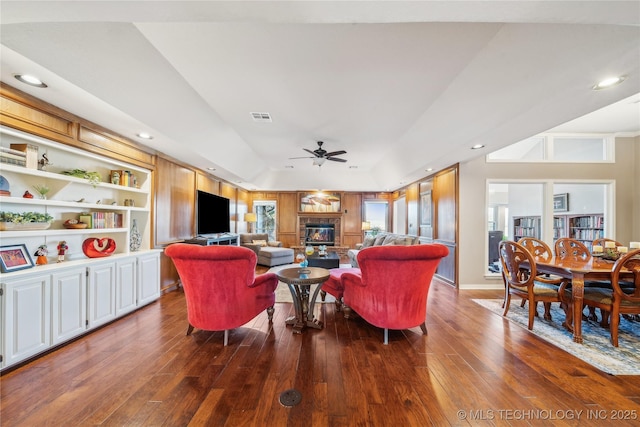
x: 282, y: 291
x: 596, y: 350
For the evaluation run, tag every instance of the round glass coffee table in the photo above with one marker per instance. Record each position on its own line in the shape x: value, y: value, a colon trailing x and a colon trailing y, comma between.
x: 299, y: 281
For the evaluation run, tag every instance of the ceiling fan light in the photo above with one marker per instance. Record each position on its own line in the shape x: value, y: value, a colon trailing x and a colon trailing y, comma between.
x: 319, y: 161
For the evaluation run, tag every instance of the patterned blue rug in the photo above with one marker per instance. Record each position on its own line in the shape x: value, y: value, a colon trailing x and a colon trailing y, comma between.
x: 596, y: 350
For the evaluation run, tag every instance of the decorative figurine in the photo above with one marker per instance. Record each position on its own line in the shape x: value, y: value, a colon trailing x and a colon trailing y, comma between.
x: 62, y: 248
x: 115, y: 178
x: 41, y: 255
x: 43, y: 162
x: 27, y: 195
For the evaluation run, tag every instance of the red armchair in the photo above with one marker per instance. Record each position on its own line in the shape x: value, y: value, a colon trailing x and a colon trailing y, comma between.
x: 391, y: 291
x: 220, y: 286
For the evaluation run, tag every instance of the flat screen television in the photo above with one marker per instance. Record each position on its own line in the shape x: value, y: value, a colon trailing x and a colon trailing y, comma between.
x: 212, y: 214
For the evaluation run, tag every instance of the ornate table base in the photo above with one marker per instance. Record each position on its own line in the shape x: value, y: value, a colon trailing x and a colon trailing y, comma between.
x: 299, y: 282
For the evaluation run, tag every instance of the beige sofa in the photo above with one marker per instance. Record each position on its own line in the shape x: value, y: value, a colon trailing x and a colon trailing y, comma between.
x: 381, y: 239
x: 270, y: 253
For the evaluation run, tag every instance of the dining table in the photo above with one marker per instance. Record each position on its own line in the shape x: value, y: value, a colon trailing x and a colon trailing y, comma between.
x: 577, y: 270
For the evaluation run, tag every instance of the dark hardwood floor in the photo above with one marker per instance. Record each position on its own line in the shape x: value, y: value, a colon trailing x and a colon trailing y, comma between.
x: 474, y: 368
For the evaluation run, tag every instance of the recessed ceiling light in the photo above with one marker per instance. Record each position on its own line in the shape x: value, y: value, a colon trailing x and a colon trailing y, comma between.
x: 608, y: 82
x: 429, y: 170
x: 30, y: 80
x: 211, y: 169
x: 144, y: 135
x: 477, y: 146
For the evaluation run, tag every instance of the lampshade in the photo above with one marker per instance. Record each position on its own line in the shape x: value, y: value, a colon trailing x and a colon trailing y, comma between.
x: 250, y: 217
x: 366, y: 225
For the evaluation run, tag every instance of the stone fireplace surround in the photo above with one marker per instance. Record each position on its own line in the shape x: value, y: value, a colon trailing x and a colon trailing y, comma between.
x: 321, y: 218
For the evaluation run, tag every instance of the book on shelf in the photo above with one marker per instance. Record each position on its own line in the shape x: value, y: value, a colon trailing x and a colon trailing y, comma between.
x: 12, y: 159
x: 31, y: 153
x: 124, y: 177
x: 99, y: 220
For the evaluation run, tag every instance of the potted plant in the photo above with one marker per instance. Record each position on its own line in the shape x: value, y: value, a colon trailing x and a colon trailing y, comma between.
x: 24, y: 221
x: 42, y: 190
x: 94, y: 178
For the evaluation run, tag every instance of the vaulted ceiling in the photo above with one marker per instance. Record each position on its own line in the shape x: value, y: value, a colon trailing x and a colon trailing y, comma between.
x: 400, y: 86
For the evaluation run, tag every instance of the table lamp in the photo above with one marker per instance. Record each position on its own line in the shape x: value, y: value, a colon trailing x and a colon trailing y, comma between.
x: 250, y: 217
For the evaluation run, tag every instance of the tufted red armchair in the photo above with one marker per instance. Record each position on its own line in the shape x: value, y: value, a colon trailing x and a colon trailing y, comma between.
x: 220, y: 286
x: 391, y: 291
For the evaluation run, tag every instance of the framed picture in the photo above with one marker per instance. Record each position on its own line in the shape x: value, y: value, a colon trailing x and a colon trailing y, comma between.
x: 14, y: 257
x: 320, y: 202
x: 561, y: 202
x: 425, y: 208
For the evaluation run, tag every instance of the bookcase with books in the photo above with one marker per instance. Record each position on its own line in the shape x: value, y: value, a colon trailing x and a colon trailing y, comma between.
x: 67, y: 195
x: 95, y: 204
x: 559, y: 226
x: 586, y: 228
x: 526, y: 226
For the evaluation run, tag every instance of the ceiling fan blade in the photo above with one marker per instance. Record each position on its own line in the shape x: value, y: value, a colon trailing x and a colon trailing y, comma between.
x: 335, y: 159
x: 311, y: 152
x: 305, y: 157
x: 335, y: 153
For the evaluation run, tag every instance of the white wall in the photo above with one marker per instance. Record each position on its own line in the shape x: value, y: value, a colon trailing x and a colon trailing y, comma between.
x: 473, y: 177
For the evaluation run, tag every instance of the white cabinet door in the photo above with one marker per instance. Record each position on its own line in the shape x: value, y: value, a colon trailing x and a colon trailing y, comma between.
x: 102, y: 293
x: 69, y: 304
x: 148, y: 278
x: 125, y: 285
x: 27, y: 329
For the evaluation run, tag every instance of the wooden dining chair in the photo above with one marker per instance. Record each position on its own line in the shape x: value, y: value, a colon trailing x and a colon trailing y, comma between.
x: 601, y: 242
x: 618, y: 300
x: 538, y: 248
x: 515, y: 259
x: 566, y: 247
x: 541, y: 252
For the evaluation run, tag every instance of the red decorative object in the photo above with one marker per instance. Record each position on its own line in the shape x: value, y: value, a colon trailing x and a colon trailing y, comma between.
x: 96, y: 248
x: 27, y: 195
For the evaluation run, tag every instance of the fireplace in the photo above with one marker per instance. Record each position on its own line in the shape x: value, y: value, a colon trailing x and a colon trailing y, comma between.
x: 319, y: 234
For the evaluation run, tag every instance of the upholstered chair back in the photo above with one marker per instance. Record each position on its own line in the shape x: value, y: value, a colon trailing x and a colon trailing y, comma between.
x: 393, y: 287
x: 221, y: 289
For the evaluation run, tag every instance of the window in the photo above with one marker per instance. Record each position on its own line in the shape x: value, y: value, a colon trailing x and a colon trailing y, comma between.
x: 376, y: 213
x: 265, y: 211
x: 556, y: 148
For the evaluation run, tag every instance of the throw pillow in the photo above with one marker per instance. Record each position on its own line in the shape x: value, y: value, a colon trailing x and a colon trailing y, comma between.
x: 260, y: 242
x: 368, y: 241
x: 379, y: 239
x: 273, y: 244
x: 403, y: 241
x: 389, y: 240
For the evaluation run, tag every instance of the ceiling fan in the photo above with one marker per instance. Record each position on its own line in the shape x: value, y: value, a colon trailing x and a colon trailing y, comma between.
x: 320, y: 155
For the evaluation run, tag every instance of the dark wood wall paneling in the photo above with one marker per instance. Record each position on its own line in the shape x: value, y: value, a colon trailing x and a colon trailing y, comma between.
x: 242, y: 207
x: 287, y: 212
x: 445, y: 195
x: 352, y: 208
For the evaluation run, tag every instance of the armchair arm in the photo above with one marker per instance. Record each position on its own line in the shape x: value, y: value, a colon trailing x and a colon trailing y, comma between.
x: 270, y: 280
x: 352, y: 279
x: 254, y: 248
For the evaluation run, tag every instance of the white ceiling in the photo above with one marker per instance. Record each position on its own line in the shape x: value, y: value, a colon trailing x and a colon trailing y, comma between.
x: 401, y: 86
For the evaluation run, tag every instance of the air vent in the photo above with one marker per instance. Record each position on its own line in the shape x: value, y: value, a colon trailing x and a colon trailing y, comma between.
x: 261, y: 117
